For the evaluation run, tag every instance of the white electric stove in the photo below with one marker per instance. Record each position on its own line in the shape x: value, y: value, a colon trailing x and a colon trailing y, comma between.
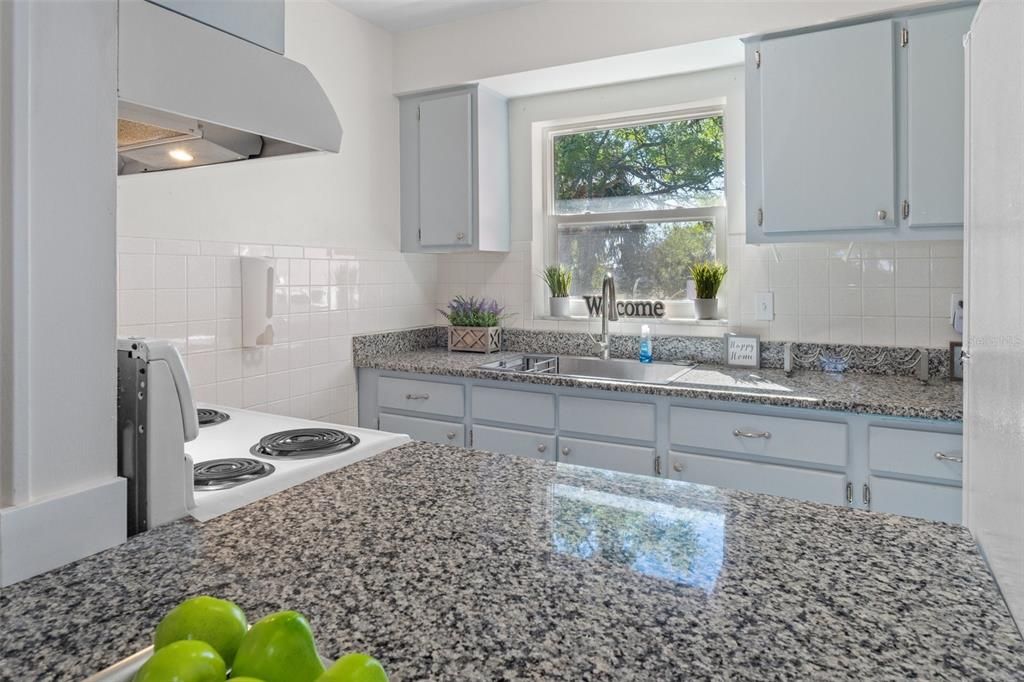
x: 241, y: 456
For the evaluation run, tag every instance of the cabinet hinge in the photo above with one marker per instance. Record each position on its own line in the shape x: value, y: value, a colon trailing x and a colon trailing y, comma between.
x: 657, y: 465
x: 866, y: 495
x: 906, y: 209
x: 757, y: 59
x: 904, y: 37
x: 760, y: 216
x: 849, y: 492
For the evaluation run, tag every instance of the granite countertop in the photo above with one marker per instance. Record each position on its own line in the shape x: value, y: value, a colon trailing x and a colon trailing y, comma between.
x: 895, y: 396
x: 463, y: 565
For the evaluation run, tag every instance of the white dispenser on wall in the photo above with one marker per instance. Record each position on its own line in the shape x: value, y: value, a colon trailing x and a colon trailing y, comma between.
x: 257, y: 301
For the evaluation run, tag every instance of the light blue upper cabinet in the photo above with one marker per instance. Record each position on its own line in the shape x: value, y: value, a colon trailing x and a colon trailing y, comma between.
x: 935, y: 118
x: 855, y: 131
x: 454, y: 171
x: 258, y: 21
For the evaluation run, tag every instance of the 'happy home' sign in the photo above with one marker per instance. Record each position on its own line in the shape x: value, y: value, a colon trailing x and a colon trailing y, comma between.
x: 627, y: 308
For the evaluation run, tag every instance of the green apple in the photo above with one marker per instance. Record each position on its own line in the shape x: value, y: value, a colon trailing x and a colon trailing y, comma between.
x: 279, y: 648
x: 218, y: 622
x: 355, y: 668
x: 183, y: 661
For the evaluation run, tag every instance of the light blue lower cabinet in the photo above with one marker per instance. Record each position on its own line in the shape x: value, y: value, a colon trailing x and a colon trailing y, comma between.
x: 629, y: 459
x: 759, y: 477
x: 513, y: 442
x: 432, y: 431
x: 911, y: 467
x: 915, y: 498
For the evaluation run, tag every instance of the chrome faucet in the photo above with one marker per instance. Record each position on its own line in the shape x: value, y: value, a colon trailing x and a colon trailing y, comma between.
x: 609, y: 312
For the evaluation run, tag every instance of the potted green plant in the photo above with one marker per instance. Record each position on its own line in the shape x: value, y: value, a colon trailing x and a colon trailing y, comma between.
x: 559, y: 280
x: 475, y: 324
x: 707, y: 278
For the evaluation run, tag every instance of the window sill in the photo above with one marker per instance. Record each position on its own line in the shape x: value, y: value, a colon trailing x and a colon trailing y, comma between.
x: 639, y: 320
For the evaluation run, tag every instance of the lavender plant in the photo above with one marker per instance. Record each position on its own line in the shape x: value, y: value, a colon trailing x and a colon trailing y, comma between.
x: 473, y: 312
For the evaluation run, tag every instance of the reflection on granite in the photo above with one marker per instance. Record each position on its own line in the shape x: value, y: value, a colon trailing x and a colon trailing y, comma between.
x: 462, y: 565
x: 858, y: 393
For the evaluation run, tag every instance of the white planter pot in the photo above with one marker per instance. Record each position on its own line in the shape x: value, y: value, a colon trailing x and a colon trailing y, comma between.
x: 559, y: 306
x: 705, y: 308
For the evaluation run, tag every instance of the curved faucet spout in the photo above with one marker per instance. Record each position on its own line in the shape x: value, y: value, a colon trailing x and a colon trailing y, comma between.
x: 609, y: 312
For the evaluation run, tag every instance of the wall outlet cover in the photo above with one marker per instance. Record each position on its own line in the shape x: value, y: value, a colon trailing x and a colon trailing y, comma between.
x: 764, y: 306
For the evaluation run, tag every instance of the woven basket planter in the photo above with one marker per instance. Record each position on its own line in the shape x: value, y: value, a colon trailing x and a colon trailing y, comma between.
x: 474, y: 339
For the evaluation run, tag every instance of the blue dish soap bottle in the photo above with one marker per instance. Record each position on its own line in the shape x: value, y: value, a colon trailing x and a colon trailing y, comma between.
x: 645, y: 344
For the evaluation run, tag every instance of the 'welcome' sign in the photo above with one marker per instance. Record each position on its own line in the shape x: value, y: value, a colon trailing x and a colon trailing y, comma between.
x: 627, y: 308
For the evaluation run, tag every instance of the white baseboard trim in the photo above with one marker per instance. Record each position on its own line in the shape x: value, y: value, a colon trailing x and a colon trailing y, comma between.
x: 49, y: 533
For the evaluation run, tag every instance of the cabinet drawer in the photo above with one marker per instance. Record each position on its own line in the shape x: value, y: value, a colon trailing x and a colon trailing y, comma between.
x: 803, y: 440
x: 910, y: 498
x: 607, y: 418
x: 772, y: 479
x: 421, y: 396
x: 509, y: 442
x: 905, y: 451
x: 588, y: 453
x: 514, y: 407
x: 429, y: 430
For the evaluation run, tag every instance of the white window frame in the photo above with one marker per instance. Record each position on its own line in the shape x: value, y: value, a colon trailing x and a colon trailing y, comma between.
x: 716, y: 213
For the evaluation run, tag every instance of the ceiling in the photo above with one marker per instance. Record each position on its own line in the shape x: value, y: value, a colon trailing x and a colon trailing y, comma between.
x: 403, y: 15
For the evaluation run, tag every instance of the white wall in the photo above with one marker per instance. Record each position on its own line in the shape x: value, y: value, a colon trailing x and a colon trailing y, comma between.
x: 564, y: 32
x: 345, y: 199
x: 877, y: 294
x: 60, y: 498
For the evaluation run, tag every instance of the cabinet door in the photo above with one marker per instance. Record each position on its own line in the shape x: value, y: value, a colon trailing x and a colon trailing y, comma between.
x: 827, y: 130
x: 935, y: 117
x: 911, y: 498
x: 446, y: 170
x: 510, y: 442
x: 589, y: 453
x: 771, y: 479
x: 446, y: 433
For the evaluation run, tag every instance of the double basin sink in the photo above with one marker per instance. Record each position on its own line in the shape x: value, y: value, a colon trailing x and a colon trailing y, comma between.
x: 593, y: 368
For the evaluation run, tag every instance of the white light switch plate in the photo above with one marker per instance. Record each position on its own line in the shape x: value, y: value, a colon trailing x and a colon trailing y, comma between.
x: 764, y: 306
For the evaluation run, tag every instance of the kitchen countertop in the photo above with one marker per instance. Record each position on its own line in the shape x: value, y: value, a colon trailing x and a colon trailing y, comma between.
x: 851, y: 392
x: 462, y: 565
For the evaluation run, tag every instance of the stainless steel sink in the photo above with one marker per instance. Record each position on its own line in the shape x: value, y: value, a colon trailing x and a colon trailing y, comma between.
x: 589, y: 367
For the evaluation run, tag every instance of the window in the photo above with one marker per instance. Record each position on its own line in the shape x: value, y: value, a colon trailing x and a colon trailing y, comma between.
x: 641, y: 198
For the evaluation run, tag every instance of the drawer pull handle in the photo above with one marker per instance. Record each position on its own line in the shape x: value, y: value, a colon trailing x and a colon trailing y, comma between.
x: 947, y: 458
x: 542, y: 448
x: 451, y: 435
x: 417, y: 396
x: 566, y: 452
x: 752, y: 434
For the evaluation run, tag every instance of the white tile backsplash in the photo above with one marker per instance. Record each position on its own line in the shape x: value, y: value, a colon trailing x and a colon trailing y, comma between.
x: 189, y: 292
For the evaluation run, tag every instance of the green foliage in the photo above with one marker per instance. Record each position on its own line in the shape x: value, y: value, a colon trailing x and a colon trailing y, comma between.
x: 559, y: 280
x: 473, y: 312
x: 707, y: 277
x: 682, y: 162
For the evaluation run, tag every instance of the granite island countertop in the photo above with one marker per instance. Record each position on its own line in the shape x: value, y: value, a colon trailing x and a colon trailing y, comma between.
x: 896, y: 396
x: 455, y: 564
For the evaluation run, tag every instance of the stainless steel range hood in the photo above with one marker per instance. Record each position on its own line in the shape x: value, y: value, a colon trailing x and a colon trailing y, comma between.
x: 191, y: 95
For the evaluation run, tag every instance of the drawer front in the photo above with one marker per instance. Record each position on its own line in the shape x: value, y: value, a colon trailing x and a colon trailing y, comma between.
x: 509, y: 442
x: 514, y: 407
x: 803, y: 440
x: 910, y: 498
x: 916, y: 453
x: 421, y: 396
x: 588, y: 453
x: 607, y: 418
x: 757, y: 477
x: 429, y: 430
